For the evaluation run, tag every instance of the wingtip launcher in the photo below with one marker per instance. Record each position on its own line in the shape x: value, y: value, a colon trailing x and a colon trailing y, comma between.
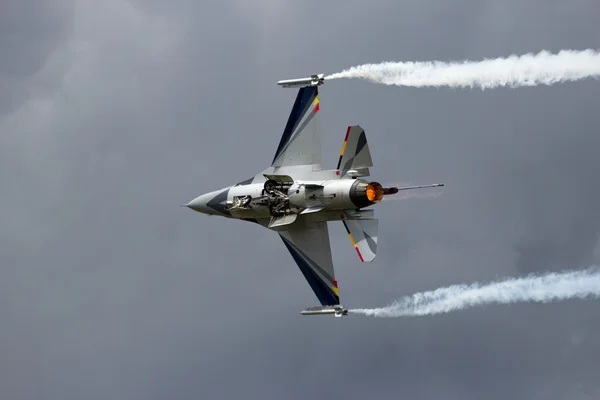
x: 337, y: 310
x: 314, y: 80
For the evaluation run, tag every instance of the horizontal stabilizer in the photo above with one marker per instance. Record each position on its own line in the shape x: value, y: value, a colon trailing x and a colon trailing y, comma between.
x: 363, y: 234
x: 355, y: 157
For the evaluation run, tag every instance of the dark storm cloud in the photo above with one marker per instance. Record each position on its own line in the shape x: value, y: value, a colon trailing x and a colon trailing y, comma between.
x: 110, y: 290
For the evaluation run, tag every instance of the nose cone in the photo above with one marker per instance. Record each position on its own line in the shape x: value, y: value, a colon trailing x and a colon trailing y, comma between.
x: 213, y: 203
x: 200, y: 204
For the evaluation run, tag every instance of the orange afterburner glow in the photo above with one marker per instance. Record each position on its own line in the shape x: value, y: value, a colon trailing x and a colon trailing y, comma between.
x: 374, y: 192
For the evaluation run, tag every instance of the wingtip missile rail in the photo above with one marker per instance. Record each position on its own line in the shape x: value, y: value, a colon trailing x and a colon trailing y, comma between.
x: 314, y: 80
x: 337, y: 310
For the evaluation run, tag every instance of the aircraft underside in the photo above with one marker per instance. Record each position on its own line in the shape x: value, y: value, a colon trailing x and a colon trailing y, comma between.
x: 296, y: 198
x: 282, y: 200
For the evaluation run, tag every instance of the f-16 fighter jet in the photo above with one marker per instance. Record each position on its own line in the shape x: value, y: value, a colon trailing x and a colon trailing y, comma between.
x: 296, y: 197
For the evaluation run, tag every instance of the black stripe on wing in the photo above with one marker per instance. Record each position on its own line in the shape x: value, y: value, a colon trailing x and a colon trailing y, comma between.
x: 304, y: 99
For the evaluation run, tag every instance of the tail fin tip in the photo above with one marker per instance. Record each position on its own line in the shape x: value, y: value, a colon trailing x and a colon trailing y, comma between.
x: 355, y: 154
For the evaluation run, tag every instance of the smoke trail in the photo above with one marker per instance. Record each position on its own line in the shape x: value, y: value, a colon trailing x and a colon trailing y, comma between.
x: 514, y: 71
x: 541, y: 288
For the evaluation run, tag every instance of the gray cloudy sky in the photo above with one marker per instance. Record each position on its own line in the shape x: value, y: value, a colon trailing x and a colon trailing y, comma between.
x: 114, y: 112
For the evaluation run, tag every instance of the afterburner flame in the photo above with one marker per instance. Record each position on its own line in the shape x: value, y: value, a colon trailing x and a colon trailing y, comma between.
x: 375, y: 192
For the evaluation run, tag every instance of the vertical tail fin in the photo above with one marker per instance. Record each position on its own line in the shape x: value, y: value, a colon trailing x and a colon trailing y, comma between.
x: 355, y: 154
x: 363, y: 233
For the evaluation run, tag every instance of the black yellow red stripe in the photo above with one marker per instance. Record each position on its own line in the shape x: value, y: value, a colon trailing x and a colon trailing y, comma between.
x: 325, y: 290
x: 352, y: 240
x: 335, y: 287
x: 304, y: 99
x: 343, y: 150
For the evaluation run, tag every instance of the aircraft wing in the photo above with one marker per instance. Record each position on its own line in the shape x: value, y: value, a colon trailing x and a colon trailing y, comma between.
x: 300, y: 142
x: 308, y: 243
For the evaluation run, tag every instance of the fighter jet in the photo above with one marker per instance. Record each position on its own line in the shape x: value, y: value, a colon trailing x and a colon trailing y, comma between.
x: 297, y: 198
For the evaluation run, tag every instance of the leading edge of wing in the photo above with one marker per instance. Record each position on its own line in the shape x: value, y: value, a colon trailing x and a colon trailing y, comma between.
x: 305, y: 107
x: 322, y: 283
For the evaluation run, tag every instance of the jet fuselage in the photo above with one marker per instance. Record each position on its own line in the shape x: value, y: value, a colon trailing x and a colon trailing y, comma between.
x: 278, y: 198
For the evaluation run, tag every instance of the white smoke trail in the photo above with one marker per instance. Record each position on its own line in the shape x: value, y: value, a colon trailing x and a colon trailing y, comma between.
x: 541, y: 288
x: 514, y: 71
